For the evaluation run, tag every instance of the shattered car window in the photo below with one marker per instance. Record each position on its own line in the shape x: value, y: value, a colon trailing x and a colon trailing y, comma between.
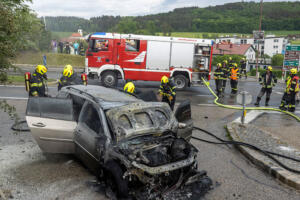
x: 125, y: 122
x: 143, y: 120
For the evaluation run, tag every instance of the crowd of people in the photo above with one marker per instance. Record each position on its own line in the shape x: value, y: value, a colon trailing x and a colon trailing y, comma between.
x: 228, y: 70
x: 75, y: 48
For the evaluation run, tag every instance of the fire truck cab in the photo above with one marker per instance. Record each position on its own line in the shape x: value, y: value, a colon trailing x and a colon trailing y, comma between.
x: 113, y: 56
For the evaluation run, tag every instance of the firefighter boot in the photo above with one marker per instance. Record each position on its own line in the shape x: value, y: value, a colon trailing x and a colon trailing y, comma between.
x: 267, y: 101
x: 291, y: 108
x: 257, y: 101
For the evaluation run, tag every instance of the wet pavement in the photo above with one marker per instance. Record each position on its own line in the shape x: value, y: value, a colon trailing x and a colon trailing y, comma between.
x: 33, y: 175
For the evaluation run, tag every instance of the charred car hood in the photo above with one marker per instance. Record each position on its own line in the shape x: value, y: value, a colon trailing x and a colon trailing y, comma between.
x: 141, y: 118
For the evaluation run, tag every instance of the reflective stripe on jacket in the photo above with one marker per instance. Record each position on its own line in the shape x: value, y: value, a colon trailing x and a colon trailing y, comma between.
x: 292, y: 84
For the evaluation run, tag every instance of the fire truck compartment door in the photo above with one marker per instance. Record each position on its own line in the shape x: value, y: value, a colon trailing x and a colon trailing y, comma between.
x: 182, y: 55
x: 158, y: 55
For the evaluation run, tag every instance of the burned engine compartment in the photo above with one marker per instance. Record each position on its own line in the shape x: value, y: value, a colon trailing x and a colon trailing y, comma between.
x: 154, y: 151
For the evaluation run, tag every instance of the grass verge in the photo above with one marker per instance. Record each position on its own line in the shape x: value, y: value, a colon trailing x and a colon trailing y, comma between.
x: 53, y: 59
x: 19, y: 80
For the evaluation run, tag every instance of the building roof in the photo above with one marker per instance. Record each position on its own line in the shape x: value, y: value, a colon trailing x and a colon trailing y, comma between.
x: 230, y: 49
x: 76, y: 35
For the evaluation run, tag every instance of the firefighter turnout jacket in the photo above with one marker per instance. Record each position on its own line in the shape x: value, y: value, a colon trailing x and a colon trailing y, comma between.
x: 37, y: 85
x: 167, y: 89
x: 267, y: 81
x: 72, y: 80
x: 292, y: 84
x: 219, y: 74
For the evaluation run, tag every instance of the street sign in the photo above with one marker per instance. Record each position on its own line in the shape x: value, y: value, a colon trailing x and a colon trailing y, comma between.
x: 293, y: 48
x: 291, y: 63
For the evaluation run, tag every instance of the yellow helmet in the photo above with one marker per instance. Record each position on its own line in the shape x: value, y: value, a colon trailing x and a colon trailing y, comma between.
x: 293, y: 71
x: 235, y: 65
x: 219, y: 65
x: 129, y: 87
x: 225, y: 61
x: 68, y: 70
x: 230, y: 58
x: 164, y: 79
x: 41, y: 69
x: 270, y: 68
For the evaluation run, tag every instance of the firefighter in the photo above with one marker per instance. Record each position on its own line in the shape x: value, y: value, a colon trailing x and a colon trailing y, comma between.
x: 69, y: 77
x: 129, y: 88
x: 38, y: 82
x: 230, y: 63
x: 234, y: 77
x: 167, y: 91
x: 218, y: 76
x: 267, y: 80
x: 226, y: 72
x: 288, y: 101
x: 243, y: 67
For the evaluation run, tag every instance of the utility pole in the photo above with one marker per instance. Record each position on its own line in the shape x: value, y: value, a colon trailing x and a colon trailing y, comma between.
x: 258, y: 52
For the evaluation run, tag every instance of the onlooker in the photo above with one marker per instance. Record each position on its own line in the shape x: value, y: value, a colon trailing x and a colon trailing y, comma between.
x: 61, y: 46
x: 76, y: 47
x: 68, y: 50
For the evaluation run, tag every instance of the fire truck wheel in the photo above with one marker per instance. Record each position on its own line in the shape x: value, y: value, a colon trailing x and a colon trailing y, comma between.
x: 180, y: 81
x: 109, y: 79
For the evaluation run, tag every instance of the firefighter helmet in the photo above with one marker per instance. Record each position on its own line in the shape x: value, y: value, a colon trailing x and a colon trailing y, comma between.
x: 164, y: 80
x: 68, y: 70
x: 235, y: 65
x: 270, y: 68
x: 129, y: 87
x: 225, y: 61
x: 230, y: 58
x: 293, y: 71
x: 219, y: 65
x: 41, y: 69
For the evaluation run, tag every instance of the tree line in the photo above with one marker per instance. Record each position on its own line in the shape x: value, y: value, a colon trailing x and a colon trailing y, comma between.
x: 242, y: 17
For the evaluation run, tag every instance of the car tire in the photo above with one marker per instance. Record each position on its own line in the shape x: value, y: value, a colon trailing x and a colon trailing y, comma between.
x: 181, y: 82
x: 109, y: 79
x: 115, y: 179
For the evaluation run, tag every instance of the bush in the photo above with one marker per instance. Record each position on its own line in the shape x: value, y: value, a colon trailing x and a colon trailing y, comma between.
x: 277, y: 73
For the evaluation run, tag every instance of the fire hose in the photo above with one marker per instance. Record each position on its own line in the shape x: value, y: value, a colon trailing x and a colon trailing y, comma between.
x: 247, y: 108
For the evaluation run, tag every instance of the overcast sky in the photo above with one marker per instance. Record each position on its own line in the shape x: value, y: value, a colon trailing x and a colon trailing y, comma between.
x: 92, y: 8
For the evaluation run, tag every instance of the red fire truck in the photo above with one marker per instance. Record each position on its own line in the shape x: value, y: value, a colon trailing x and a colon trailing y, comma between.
x: 112, y: 56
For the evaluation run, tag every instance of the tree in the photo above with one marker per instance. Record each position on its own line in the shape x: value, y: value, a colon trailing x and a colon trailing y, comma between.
x: 126, y: 25
x: 277, y: 60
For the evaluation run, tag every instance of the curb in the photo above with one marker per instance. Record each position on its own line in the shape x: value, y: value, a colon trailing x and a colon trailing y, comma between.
x: 284, y: 176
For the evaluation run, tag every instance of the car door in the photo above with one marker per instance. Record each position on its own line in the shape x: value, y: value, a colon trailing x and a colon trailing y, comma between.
x: 90, y: 138
x: 183, y: 115
x: 51, y: 123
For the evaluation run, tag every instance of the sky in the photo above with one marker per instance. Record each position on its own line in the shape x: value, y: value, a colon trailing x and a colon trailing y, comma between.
x: 93, y: 8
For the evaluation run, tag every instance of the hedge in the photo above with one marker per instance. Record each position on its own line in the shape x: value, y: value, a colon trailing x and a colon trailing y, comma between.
x: 277, y: 73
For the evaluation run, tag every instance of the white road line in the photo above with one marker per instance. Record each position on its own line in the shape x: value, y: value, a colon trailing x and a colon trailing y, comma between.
x: 281, y: 93
x: 204, y: 95
x: 14, y: 98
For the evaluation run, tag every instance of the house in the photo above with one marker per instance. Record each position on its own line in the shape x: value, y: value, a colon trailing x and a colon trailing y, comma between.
x: 226, y: 48
x: 74, y: 37
x: 270, y: 45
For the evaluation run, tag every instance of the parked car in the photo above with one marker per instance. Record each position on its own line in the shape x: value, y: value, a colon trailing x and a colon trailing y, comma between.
x: 121, y: 138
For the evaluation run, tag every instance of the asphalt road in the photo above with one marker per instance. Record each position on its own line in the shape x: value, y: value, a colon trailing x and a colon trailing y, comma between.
x: 29, y: 174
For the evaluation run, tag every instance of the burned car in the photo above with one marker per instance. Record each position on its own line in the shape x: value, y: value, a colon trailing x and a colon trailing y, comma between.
x: 128, y: 142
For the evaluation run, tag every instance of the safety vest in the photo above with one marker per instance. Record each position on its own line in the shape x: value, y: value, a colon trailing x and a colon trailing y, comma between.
x: 234, y: 74
x: 292, y: 81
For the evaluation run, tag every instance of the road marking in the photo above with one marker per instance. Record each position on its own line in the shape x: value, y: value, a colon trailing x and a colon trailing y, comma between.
x: 14, y: 98
x: 281, y: 93
x: 204, y: 95
x: 214, y: 105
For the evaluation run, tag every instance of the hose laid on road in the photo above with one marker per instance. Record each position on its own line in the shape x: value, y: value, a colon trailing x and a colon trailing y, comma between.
x: 15, y: 126
x: 247, y: 108
x: 266, y: 153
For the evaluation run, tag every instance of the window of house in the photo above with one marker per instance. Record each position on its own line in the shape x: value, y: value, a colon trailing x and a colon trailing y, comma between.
x: 132, y: 45
x: 276, y: 40
x: 91, y: 119
x: 101, y: 45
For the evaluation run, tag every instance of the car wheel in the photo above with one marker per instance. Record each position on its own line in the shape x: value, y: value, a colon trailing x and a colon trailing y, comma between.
x: 180, y: 81
x: 115, y: 179
x: 109, y: 79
